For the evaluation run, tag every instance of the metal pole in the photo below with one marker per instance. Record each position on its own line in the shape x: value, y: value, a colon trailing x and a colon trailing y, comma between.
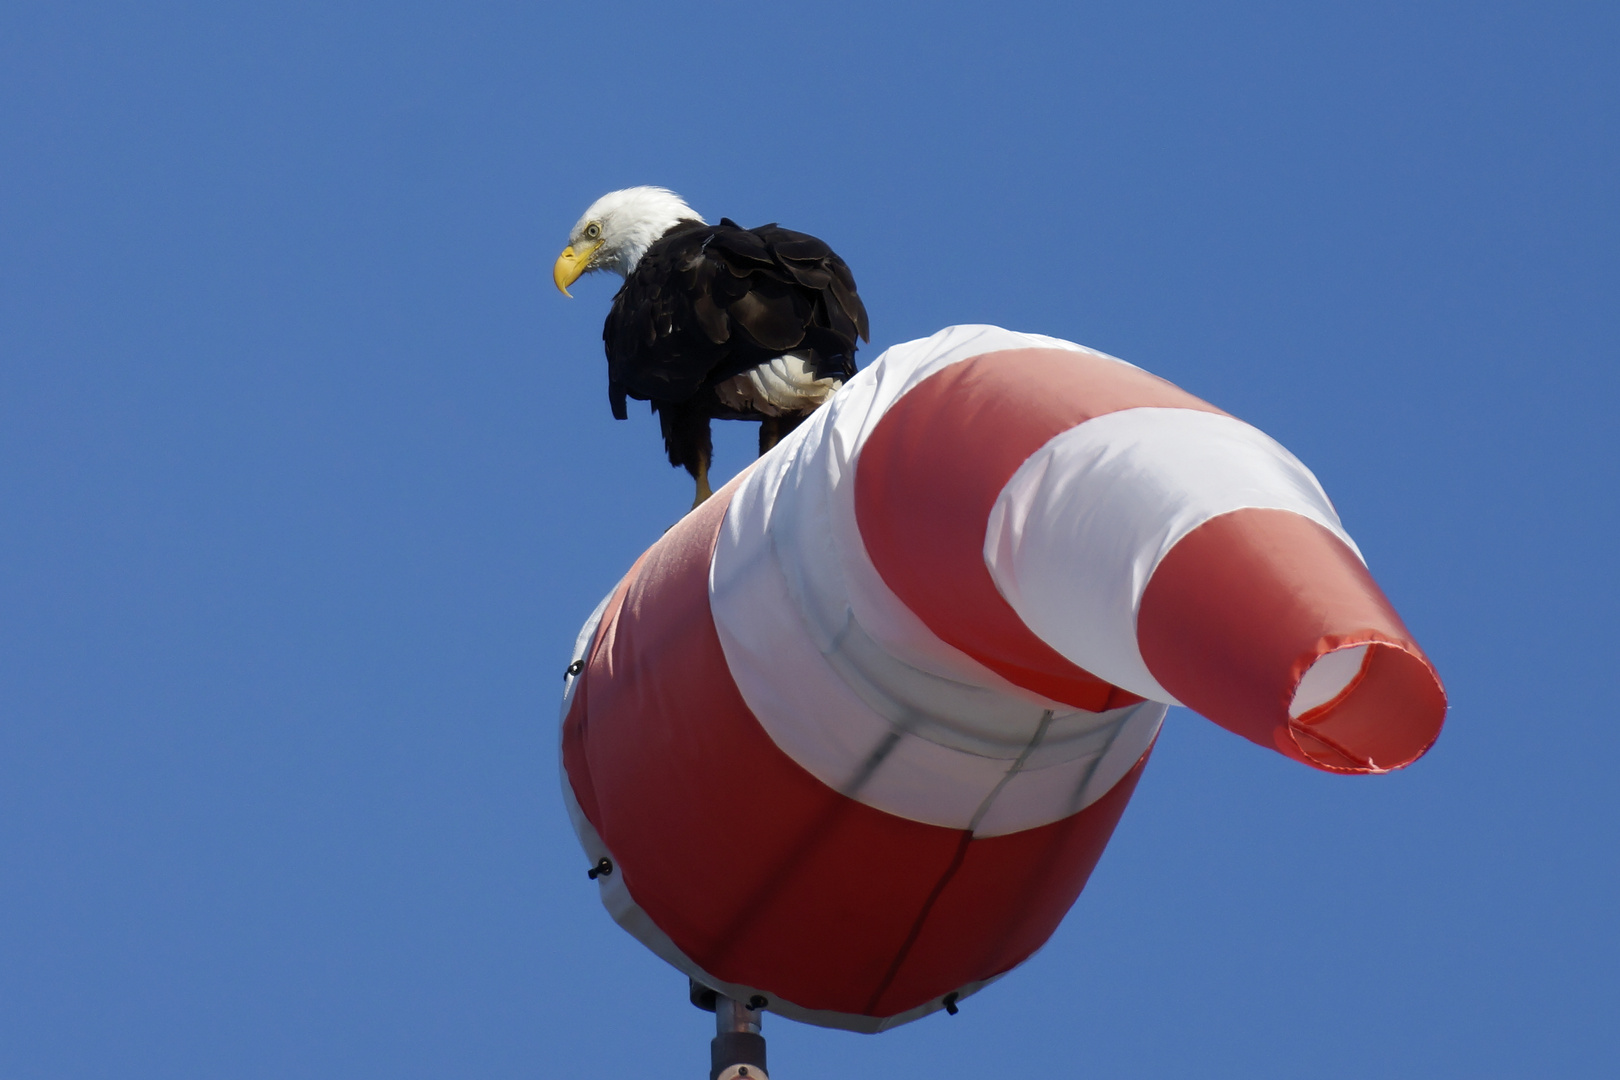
x: 738, y: 1049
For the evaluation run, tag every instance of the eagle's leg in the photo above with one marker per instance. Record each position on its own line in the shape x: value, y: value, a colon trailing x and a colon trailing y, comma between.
x: 701, y: 475
x: 687, y: 441
x: 770, y: 433
x: 773, y: 429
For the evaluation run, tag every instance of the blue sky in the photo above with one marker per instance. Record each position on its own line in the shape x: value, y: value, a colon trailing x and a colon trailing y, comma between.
x: 307, y: 479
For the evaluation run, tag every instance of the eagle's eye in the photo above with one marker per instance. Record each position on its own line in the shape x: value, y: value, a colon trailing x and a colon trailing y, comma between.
x: 593, y: 230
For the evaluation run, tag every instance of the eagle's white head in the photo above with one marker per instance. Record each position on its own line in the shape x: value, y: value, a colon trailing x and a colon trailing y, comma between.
x: 617, y: 230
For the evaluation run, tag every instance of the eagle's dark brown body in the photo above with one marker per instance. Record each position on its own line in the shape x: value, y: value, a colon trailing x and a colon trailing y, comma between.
x: 710, y: 302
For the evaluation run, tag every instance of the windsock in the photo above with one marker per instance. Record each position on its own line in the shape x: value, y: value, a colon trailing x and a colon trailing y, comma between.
x: 853, y: 734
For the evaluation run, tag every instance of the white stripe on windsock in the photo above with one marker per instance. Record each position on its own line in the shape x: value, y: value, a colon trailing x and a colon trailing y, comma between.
x: 837, y: 564
x: 849, y: 683
x: 1077, y: 532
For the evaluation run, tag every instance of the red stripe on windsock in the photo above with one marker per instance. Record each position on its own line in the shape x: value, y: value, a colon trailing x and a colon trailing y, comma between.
x: 933, y: 467
x: 759, y: 873
x: 1005, y: 900
x: 1244, y: 604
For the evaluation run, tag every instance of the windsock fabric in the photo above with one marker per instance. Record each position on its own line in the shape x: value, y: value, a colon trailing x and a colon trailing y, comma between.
x: 855, y: 732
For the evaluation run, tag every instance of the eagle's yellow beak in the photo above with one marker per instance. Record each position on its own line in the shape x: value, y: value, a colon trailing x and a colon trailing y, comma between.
x: 571, y: 264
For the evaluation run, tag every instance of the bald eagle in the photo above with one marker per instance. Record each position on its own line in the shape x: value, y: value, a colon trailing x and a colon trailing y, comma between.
x: 715, y: 321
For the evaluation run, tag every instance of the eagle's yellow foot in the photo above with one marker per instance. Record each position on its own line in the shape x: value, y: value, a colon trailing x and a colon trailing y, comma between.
x: 703, y: 489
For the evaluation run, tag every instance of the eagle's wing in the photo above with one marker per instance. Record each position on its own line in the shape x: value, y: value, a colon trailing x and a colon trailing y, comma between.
x: 707, y: 302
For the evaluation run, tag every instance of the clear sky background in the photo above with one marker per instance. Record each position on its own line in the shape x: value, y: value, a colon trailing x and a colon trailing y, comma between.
x: 308, y: 478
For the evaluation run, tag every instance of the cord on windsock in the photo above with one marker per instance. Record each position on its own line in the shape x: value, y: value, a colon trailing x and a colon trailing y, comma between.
x: 852, y: 735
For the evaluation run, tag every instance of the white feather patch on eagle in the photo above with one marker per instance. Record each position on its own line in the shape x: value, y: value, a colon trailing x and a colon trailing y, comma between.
x: 784, y: 386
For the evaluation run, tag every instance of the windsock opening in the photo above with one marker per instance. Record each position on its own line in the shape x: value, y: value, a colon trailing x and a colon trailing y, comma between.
x: 1363, y: 708
x: 1271, y: 626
